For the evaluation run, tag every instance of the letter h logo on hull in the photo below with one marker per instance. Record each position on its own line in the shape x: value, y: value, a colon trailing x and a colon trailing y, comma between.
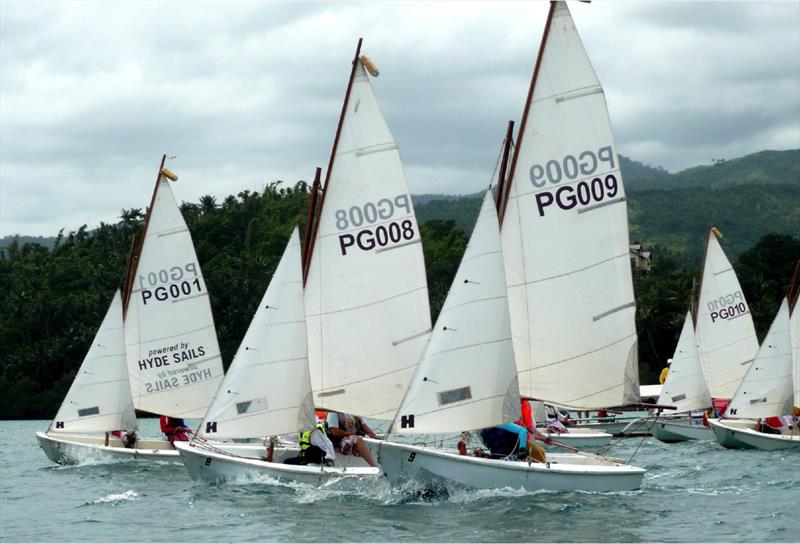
x: 407, y: 422
x: 211, y: 427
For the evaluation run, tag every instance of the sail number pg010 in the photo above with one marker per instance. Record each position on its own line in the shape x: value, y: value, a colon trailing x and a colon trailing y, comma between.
x: 727, y: 307
x: 571, y: 167
x: 388, y: 232
x: 174, y: 282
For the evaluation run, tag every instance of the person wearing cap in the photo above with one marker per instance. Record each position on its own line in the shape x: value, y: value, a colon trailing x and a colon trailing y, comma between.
x: 664, y: 372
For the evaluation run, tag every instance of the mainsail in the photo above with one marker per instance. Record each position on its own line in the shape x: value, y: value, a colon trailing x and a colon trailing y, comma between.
x: 565, y: 236
x: 366, y: 293
x: 99, y: 398
x: 685, y: 387
x: 767, y: 387
x: 724, y: 328
x: 174, y: 362
x: 267, y: 388
x: 466, y: 378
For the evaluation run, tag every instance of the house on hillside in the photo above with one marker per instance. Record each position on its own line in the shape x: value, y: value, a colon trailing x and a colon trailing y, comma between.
x: 639, y: 257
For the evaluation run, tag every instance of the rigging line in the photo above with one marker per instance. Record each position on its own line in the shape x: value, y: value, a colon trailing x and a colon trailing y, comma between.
x: 497, y: 163
x: 368, y: 304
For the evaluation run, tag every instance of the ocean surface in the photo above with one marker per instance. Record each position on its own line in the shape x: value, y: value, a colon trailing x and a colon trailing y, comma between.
x: 694, y: 491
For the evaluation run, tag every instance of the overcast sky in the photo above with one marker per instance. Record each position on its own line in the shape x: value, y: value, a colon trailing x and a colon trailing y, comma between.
x: 244, y: 93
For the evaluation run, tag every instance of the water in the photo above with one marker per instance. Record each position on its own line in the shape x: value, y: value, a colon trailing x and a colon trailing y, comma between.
x: 692, y: 492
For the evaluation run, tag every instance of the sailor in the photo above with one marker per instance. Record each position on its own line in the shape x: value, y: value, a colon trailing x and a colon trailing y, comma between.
x: 346, y: 431
x: 175, y: 429
x: 508, y: 440
x: 128, y: 438
x: 315, y: 446
x: 664, y: 372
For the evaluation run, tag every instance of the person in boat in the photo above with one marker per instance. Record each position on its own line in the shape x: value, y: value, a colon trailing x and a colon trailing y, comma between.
x: 507, y: 441
x: 526, y: 420
x: 775, y: 425
x: 175, y: 429
x: 346, y: 432
x: 315, y: 446
x: 664, y: 372
x: 557, y: 421
x: 128, y: 438
x: 603, y: 417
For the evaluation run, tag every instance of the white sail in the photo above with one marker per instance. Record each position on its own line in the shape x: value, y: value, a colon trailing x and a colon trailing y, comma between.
x: 794, y: 324
x: 267, y: 390
x: 767, y: 387
x: 565, y: 238
x: 174, y: 361
x: 685, y: 387
x: 724, y: 328
x: 466, y: 378
x: 99, y: 398
x: 366, y: 292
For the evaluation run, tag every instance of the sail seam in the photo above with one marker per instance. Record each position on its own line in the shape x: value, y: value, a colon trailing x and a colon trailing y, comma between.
x: 396, y: 246
x: 601, y: 348
x: 276, y: 361
x: 571, y: 271
x: 445, y: 311
x: 376, y: 148
x: 183, y: 333
x: 368, y: 378
x: 466, y: 346
x: 598, y: 317
x: 367, y: 305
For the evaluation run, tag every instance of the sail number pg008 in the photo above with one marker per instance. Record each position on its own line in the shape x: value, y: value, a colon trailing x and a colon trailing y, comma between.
x: 571, y: 167
x: 389, y: 232
x: 174, y: 282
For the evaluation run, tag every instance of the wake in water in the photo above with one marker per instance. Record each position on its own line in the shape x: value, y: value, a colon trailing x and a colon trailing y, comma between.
x: 115, y: 498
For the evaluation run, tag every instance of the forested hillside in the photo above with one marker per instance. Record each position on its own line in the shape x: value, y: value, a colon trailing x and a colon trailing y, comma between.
x: 54, y: 299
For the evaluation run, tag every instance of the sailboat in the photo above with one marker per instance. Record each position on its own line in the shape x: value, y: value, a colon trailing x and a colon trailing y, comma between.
x: 686, y: 389
x: 98, y: 401
x: 364, y: 291
x: 726, y: 344
x: 467, y: 380
x: 769, y: 388
x: 160, y: 331
x: 564, y: 243
x: 267, y: 391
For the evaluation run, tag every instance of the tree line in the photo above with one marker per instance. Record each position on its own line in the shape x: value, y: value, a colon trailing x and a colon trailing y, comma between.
x: 55, y: 298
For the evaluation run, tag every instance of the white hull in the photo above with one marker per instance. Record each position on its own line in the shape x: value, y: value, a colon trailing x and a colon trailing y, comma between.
x: 769, y: 442
x: 73, y: 449
x: 728, y: 432
x: 681, y: 430
x: 624, y: 427
x: 406, y: 463
x: 582, y: 438
x: 214, y: 466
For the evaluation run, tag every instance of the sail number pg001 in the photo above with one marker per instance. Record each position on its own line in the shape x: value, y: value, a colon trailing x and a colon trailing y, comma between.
x: 389, y: 232
x: 174, y: 282
x: 571, y: 167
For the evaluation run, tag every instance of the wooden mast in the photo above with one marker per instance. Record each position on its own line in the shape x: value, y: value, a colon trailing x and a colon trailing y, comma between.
x: 310, y: 249
x: 501, y: 177
x: 794, y: 288
x: 136, y: 248
x: 502, y: 210
x: 312, y: 214
x: 696, y: 301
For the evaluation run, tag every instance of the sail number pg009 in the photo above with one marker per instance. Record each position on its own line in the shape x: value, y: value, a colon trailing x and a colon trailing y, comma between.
x: 389, y: 232
x: 571, y: 167
x: 174, y: 282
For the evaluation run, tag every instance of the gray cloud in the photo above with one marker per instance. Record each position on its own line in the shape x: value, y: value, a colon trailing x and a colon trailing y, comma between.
x: 244, y: 93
